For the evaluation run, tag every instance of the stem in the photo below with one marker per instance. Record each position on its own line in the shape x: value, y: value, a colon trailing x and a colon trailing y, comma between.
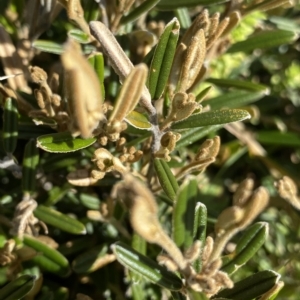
x: 169, y: 246
x: 221, y: 241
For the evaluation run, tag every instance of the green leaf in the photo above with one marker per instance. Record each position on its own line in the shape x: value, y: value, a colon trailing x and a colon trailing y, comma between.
x: 97, y: 62
x: 215, y: 117
x: 79, y: 36
x: 244, y: 85
x: 184, y: 213
x: 194, y: 134
x: 75, y: 246
x: 174, y: 4
x: 63, y: 142
x: 252, y: 286
x: 30, y: 163
x: 146, y: 267
x: 162, y: 59
x: 138, y: 11
x: 234, y: 99
x: 183, y: 16
x: 285, y: 23
x: 140, y: 245
x: 59, y: 220
x: 138, y: 120
x: 166, y: 178
x: 252, y: 239
x: 202, y: 94
x: 288, y: 139
x: 47, y: 258
x: 17, y: 288
x: 28, y: 130
x: 199, y: 232
x: 10, y: 125
x: 89, y: 261
x: 89, y: 201
x: 262, y: 40
x: 48, y: 46
x: 196, y: 295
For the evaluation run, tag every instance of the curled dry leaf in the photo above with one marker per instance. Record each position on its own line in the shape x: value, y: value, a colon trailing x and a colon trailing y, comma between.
x: 82, y: 91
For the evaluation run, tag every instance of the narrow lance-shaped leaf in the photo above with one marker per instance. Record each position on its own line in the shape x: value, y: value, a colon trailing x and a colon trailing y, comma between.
x: 59, y: 220
x: 30, y: 163
x: 79, y: 36
x: 184, y: 214
x: 162, y: 59
x: 202, y: 94
x: 174, y: 4
x: 166, y: 178
x: 234, y: 99
x: 252, y: 286
x: 194, y: 134
x: 199, y: 233
x: 183, y: 17
x: 130, y: 93
x: 63, y: 142
x: 48, y: 46
x: 92, y: 260
x: 97, y: 62
x: 196, y: 295
x: 213, y: 118
x: 138, y: 120
x: 18, y: 288
x: 146, y: 267
x: 272, y: 137
x: 139, y: 244
x: 252, y: 239
x: 262, y: 40
x: 47, y: 258
x: 10, y: 125
x: 244, y: 85
x: 138, y: 11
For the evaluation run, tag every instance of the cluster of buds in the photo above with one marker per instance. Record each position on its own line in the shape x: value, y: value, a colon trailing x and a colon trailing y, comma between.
x: 206, y: 155
x: 188, y: 67
x: 49, y: 102
x: 105, y: 163
x: 128, y: 154
x: 183, y: 105
x: 167, y: 145
x: 247, y: 205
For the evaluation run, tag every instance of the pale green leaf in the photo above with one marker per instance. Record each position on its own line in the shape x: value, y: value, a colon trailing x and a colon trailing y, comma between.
x: 138, y: 120
x: 48, y: 46
x: 262, y: 40
x: 166, y: 178
x: 215, y: 117
x: 63, y: 142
